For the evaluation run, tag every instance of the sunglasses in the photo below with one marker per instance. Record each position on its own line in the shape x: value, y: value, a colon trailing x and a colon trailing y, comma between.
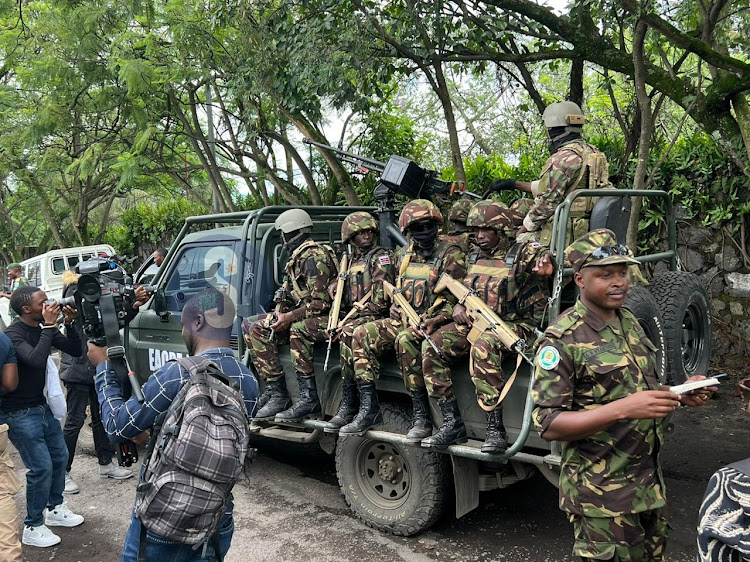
x: 422, y: 226
x: 603, y: 252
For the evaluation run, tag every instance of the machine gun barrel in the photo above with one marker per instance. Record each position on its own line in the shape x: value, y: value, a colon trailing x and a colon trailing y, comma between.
x: 350, y: 157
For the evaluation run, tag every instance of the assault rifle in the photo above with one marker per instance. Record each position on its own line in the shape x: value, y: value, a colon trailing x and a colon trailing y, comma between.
x: 483, y: 318
x: 411, y: 315
x: 333, y: 317
x: 279, y: 297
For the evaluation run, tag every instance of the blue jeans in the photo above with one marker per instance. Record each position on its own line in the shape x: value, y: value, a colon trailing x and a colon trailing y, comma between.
x: 160, y: 549
x: 38, y: 437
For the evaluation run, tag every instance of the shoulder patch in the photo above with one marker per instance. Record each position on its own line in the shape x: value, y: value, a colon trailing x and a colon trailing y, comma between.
x: 549, y: 357
x: 384, y: 260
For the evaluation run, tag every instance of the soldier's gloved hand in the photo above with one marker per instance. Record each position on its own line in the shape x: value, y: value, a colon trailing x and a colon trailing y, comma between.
x: 395, y: 312
x: 500, y: 185
x: 460, y: 316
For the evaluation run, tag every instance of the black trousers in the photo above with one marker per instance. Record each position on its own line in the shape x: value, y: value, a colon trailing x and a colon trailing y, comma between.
x: 79, y: 397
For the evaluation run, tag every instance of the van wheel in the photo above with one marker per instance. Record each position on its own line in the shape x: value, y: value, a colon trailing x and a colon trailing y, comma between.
x: 643, y: 305
x: 686, y: 311
x: 393, y: 488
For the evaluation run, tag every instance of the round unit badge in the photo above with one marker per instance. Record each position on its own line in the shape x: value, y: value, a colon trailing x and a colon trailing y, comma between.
x: 549, y: 357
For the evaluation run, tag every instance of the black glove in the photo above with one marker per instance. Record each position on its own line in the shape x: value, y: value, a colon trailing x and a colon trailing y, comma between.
x: 499, y: 185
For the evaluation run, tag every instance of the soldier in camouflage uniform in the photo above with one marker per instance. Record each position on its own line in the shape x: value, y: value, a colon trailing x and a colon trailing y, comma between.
x: 17, y: 280
x: 596, y: 390
x: 458, y: 233
x: 370, y: 265
x: 310, y: 269
x: 574, y: 164
x: 419, y: 265
x: 501, y: 273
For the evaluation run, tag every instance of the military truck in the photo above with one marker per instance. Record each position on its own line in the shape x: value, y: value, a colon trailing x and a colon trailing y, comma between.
x: 389, y: 484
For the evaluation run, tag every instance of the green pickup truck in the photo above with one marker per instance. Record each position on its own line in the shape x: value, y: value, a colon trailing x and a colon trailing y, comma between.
x: 390, y: 485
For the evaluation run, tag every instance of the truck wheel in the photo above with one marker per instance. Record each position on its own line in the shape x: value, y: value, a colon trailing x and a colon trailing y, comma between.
x: 396, y: 489
x: 642, y: 304
x: 86, y: 436
x: 686, y: 311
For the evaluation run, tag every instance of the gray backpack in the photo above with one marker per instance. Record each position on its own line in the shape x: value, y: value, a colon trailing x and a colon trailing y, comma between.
x: 196, y: 453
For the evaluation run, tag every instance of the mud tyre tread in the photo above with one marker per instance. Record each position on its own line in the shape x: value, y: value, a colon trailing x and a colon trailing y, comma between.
x: 683, y: 300
x: 429, y: 486
x: 644, y: 307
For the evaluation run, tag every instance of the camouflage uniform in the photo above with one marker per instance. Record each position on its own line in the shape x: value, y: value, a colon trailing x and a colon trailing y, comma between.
x: 417, y: 279
x: 458, y: 233
x: 17, y: 283
x: 611, y: 483
x: 503, y: 279
x: 311, y: 269
x: 563, y: 173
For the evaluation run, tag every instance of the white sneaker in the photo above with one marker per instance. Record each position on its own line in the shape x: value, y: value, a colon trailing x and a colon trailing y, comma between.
x: 61, y: 516
x: 70, y: 486
x: 111, y: 470
x: 39, y: 536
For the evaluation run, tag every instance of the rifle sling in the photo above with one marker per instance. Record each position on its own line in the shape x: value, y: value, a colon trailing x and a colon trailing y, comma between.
x: 506, y: 387
x: 355, y: 309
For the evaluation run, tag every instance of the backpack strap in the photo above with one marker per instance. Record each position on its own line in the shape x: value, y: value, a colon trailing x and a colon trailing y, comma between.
x: 197, y: 364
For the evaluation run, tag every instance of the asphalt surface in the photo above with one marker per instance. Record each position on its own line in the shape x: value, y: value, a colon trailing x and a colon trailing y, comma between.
x: 291, y: 508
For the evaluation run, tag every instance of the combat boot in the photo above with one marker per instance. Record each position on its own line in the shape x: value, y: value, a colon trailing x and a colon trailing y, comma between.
x: 452, y: 431
x: 369, y: 412
x: 421, y: 427
x: 347, y: 408
x: 278, y: 400
x: 496, y: 440
x: 308, y: 405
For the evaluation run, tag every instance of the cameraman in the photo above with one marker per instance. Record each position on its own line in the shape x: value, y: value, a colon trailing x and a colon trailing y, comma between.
x: 78, y: 375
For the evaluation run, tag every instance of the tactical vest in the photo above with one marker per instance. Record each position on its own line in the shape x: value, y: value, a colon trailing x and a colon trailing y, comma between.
x: 359, y: 276
x: 462, y: 239
x: 297, y: 291
x: 418, y: 276
x: 494, y: 279
x: 594, y: 174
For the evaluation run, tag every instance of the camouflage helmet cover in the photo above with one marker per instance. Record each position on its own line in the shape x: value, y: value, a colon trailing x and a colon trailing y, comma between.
x: 460, y: 210
x: 357, y: 222
x: 490, y: 214
x: 595, y: 248
x: 419, y: 210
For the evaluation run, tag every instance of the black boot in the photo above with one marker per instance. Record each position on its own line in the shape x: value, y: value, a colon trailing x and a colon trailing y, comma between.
x: 278, y: 400
x: 347, y: 408
x: 496, y: 440
x: 369, y: 412
x: 421, y: 427
x: 452, y: 432
x: 308, y: 405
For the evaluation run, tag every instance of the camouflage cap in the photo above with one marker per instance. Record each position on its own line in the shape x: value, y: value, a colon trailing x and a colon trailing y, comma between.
x: 490, y: 214
x: 598, y: 247
x: 14, y: 265
x: 357, y: 222
x: 460, y: 210
x: 419, y: 210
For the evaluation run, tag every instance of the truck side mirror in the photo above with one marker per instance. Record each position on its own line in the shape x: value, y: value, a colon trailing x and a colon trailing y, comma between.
x: 160, y: 304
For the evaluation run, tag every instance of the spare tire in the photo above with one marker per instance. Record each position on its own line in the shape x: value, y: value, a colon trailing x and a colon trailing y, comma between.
x: 686, y: 311
x: 643, y: 305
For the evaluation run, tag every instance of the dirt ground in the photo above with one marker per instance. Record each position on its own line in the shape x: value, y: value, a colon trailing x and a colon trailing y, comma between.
x: 291, y: 506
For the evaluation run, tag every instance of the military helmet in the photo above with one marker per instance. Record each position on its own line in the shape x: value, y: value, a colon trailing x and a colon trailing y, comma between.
x: 418, y: 210
x: 563, y: 114
x: 490, y: 214
x: 357, y: 222
x: 293, y: 219
x: 460, y: 210
x: 598, y: 247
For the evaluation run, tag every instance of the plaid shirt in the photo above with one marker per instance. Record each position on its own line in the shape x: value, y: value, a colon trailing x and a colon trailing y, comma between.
x: 126, y: 419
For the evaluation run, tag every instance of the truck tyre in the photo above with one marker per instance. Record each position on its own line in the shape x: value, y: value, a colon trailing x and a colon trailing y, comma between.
x: 686, y: 312
x: 396, y: 489
x: 86, y: 436
x: 642, y: 304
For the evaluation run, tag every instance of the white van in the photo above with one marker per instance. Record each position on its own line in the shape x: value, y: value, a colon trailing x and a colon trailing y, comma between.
x: 45, y: 271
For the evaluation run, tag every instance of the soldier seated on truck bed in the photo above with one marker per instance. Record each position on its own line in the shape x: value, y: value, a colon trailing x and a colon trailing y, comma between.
x: 364, y: 299
x: 502, y: 274
x: 458, y: 233
x: 309, y: 271
x: 419, y: 266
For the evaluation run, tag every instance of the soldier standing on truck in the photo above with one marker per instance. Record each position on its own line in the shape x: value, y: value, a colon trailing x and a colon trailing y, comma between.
x: 501, y: 273
x: 310, y: 269
x: 596, y: 390
x: 17, y: 280
x: 458, y: 233
x: 420, y: 264
x: 365, y: 300
x: 574, y: 164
